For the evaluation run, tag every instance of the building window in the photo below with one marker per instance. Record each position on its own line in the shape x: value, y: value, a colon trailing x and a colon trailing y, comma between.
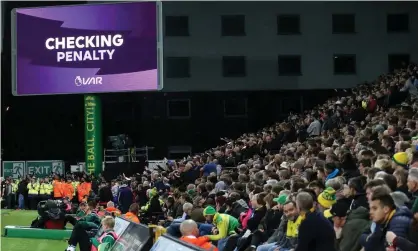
x: 233, y: 25
x: 288, y: 24
x: 177, y: 67
x: 234, y: 66
x: 344, y: 64
x: 289, y: 65
x: 235, y: 108
x: 343, y: 23
x: 397, y: 23
x: 398, y: 61
x: 177, y: 26
x: 178, y: 108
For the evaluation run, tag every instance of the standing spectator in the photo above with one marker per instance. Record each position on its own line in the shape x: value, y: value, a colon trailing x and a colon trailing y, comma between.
x: 314, y: 128
x: 22, y: 192
x: 125, y: 198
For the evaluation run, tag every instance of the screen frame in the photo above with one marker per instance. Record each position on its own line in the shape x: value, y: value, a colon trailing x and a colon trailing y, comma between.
x: 160, y: 48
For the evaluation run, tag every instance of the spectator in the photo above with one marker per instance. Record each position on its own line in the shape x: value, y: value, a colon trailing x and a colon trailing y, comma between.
x: 132, y: 215
x: 349, y: 225
x: 309, y: 240
x: 226, y: 226
x: 125, y: 197
x: 384, y: 213
x: 190, y: 234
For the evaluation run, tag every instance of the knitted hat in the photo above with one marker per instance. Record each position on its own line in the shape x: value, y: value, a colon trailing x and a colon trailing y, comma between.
x: 281, y: 199
x: 401, y: 159
x: 327, y: 198
x: 209, y: 211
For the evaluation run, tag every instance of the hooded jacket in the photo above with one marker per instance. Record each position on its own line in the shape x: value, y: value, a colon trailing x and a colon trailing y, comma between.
x: 399, y: 224
x: 226, y: 225
x: 356, y: 223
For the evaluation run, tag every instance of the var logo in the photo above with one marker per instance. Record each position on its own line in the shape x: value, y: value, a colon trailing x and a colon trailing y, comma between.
x: 80, y: 81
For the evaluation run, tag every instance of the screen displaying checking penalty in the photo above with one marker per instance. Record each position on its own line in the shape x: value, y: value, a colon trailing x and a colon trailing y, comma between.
x: 113, y: 47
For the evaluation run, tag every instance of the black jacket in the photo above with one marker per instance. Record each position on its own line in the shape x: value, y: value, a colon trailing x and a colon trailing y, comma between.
x: 255, y: 220
x: 105, y: 194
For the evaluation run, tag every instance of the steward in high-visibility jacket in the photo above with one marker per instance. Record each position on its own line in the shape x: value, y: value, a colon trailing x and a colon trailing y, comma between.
x: 75, y: 185
x: 33, y: 188
x: 45, y: 190
x: 68, y: 190
x: 58, y: 192
x: 83, y: 189
x: 14, y: 187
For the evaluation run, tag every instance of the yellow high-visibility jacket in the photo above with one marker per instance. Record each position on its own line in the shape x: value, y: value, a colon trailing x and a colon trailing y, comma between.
x: 33, y: 188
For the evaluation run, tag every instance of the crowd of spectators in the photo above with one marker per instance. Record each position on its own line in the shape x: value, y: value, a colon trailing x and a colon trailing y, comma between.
x: 342, y: 176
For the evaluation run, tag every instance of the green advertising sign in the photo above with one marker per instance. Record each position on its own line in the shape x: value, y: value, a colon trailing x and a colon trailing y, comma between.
x: 93, y: 134
x: 44, y: 168
x: 15, y: 169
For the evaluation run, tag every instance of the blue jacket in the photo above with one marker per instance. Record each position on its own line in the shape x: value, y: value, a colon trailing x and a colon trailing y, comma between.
x: 399, y: 224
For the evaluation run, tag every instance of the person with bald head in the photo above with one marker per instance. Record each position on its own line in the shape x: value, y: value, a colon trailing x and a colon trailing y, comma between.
x: 190, y: 234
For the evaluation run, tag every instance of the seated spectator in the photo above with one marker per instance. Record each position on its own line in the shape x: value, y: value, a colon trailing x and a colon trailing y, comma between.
x: 111, y: 209
x: 309, y: 240
x: 387, y: 217
x: 154, y: 205
x: 174, y: 227
x: 190, y: 234
x: 85, y: 228
x: 411, y: 242
x: 132, y: 215
x: 349, y: 226
x: 225, y: 224
x: 356, y: 193
x: 325, y: 201
x: 287, y: 233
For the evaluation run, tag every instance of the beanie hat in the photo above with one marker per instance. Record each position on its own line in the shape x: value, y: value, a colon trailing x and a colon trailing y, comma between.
x: 209, y: 211
x: 281, y: 199
x: 401, y: 159
x: 327, y: 198
x: 340, y: 208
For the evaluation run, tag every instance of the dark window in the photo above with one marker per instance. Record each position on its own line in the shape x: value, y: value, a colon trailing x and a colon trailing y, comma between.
x: 177, y: 67
x: 398, y: 61
x: 176, y: 26
x: 233, y: 25
x: 179, y: 108
x: 236, y: 107
x: 344, y: 64
x: 397, y: 23
x: 343, y: 23
x: 233, y: 66
x: 289, y: 65
x: 288, y: 24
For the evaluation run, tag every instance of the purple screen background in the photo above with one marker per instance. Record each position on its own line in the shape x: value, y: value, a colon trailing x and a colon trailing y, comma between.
x: 134, y: 64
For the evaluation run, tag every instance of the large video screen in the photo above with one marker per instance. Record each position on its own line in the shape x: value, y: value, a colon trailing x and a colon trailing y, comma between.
x: 115, y: 47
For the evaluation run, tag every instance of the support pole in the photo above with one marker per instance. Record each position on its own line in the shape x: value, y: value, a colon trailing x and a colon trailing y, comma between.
x: 93, y: 134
